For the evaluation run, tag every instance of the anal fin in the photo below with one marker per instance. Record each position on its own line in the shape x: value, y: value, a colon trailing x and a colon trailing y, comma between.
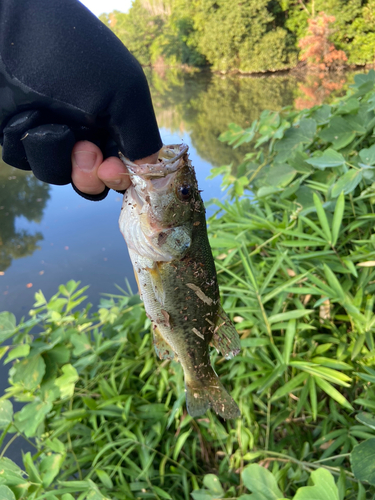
x: 162, y: 348
x: 225, y: 338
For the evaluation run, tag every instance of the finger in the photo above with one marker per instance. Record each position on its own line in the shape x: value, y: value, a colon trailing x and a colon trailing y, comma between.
x: 86, y: 159
x: 13, y: 151
x: 48, y: 148
x: 114, y: 174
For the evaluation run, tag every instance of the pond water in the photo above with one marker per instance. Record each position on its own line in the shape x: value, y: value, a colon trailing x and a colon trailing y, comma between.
x: 49, y: 235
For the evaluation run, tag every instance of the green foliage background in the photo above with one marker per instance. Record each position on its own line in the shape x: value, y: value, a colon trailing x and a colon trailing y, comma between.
x: 296, y: 264
x: 249, y: 36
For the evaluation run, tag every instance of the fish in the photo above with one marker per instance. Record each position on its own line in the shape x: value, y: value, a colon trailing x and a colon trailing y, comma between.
x: 164, y: 225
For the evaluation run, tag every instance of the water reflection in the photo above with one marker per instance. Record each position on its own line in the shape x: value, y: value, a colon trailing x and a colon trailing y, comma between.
x: 204, y: 105
x: 62, y: 236
x: 21, y: 194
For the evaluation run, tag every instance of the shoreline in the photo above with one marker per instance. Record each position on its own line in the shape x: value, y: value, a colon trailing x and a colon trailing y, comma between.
x: 300, y: 70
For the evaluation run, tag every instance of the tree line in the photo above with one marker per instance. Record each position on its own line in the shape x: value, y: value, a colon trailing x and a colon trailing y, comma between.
x: 244, y: 35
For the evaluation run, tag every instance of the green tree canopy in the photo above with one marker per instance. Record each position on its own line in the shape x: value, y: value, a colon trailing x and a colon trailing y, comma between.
x: 247, y: 35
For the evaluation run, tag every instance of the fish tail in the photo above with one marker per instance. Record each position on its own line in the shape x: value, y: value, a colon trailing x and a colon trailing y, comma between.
x: 212, y: 394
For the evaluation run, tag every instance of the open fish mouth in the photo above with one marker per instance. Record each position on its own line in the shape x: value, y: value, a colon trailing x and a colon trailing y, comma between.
x: 170, y: 160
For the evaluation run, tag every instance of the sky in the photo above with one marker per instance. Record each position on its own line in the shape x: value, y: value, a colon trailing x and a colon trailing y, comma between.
x: 100, y: 6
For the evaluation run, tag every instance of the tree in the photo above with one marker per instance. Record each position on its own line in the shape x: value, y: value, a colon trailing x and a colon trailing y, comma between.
x: 137, y: 29
x: 317, y: 49
x: 232, y: 35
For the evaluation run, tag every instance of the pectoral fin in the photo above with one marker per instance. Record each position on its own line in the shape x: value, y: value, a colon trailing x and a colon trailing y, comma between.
x: 162, y: 348
x: 225, y: 338
x: 157, y: 283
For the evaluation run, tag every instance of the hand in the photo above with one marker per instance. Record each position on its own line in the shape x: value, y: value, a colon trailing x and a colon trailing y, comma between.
x: 66, y: 78
x: 90, y: 174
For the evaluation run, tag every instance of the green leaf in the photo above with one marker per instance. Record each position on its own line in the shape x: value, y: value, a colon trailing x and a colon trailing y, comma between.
x: 213, y: 484
x: 331, y: 363
x: 6, y: 493
x: 324, y: 487
x: 30, y: 372
x: 3, y: 350
x: 337, y: 217
x: 232, y: 135
x: 347, y: 182
x: 330, y: 158
x: 104, y: 478
x: 31, y: 469
x: 358, y: 344
x: 66, y: 382
x: 6, y: 413
x: 348, y: 106
x: 280, y: 176
x: 31, y: 416
x: 261, y: 481
x: 367, y: 419
x: 203, y: 495
x: 81, y: 344
x: 55, y: 445
x: 322, y: 218
x: 313, y: 397
x: 341, y: 131
x: 254, y: 342
x: 50, y: 467
x: 289, y: 340
x: 19, y: 351
x: 333, y: 393
x: 368, y: 155
x: 298, y: 313
x: 290, y: 386
x: 7, y: 325
x: 334, y: 282
x: 162, y: 493
x: 294, y: 137
x: 180, y: 443
x: 363, y: 461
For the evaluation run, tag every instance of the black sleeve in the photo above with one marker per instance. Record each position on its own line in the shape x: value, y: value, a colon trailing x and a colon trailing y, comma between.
x: 59, y: 61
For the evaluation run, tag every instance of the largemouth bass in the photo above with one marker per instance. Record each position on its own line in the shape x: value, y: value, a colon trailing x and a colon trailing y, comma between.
x: 164, y: 225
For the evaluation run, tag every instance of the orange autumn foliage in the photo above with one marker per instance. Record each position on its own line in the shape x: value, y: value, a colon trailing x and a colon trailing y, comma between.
x: 316, y: 89
x: 317, y: 49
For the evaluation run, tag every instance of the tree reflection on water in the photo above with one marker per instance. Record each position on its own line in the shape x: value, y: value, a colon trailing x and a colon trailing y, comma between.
x: 200, y: 104
x: 203, y: 104
x: 21, y: 194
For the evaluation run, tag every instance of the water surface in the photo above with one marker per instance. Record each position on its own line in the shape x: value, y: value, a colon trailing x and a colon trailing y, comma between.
x: 49, y: 235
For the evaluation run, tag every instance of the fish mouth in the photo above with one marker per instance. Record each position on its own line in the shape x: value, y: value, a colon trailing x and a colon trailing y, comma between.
x: 169, y: 161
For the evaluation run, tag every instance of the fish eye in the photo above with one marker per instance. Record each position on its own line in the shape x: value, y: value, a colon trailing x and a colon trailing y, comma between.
x: 184, y: 192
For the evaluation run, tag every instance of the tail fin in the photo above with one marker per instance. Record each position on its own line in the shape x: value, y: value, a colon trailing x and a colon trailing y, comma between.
x: 213, y: 395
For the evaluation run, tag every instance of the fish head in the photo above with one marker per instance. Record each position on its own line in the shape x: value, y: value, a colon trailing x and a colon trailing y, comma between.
x: 167, y: 201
